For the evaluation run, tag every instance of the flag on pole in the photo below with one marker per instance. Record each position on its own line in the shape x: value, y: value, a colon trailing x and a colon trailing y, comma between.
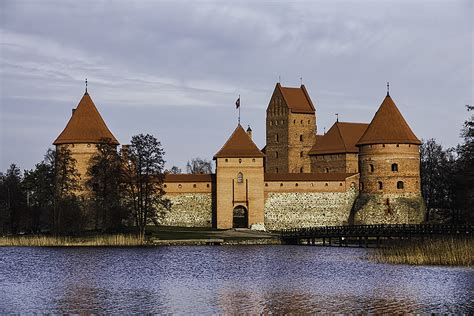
x: 237, y: 103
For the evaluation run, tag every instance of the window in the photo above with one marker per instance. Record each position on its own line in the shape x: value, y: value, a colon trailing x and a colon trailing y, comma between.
x: 266, y: 184
x: 180, y: 186
x: 394, y: 167
x: 271, y: 123
x: 253, y: 160
x: 165, y: 186
x: 276, y: 138
x: 308, y: 122
x: 400, y: 185
x: 226, y: 160
x: 301, y: 170
x: 301, y: 122
x: 398, y: 145
x: 301, y: 154
x: 240, y: 160
x: 326, y: 170
x: 296, y: 184
x: 276, y: 154
x: 371, y: 168
x: 294, y: 121
x: 380, y: 185
x: 240, y: 178
x: 301, y: 138
x: 281, y: 184
x: 207, y: 185
x: 276, y: 170
x: 194, y: 185
x: 276, y: 123
x: 282, y: 122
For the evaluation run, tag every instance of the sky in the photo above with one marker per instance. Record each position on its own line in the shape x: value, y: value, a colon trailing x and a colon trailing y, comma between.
x: 174, y: 69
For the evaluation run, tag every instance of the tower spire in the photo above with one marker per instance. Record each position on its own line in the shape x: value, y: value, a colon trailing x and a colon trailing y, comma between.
x: 86, y: 85
x: 388, y: 89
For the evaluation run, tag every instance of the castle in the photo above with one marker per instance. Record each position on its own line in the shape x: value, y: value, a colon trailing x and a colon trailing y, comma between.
x: 353, y: 174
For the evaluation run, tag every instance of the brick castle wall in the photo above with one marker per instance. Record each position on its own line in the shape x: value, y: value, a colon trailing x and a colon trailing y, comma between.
x: 343, y: 163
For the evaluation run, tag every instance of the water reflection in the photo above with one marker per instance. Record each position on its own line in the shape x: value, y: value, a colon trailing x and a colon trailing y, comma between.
x: 229, y: 280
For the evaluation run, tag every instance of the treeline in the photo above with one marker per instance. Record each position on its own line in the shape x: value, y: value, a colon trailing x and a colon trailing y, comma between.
x: 447, y: 177
x: 119, y: 191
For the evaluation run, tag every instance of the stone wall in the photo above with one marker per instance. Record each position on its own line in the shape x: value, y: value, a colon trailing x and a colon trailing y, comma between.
x: 189, y: 210
x: 407, y: 208
x: 299, y: 209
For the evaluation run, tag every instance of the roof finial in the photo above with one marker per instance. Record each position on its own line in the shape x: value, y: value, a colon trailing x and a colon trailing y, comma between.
x: 324, y: 130
x: 337, y: 117
x: 86, y: 85
x: 301, y: 80
x: 388, y: 89
x: 279, y: 79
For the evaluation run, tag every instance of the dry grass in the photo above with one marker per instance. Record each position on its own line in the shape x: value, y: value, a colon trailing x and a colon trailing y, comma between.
x: 65, y: 241
x: 444, y: 251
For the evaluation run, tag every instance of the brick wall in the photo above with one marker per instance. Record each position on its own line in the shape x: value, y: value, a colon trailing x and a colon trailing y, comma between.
x: 344, y: 163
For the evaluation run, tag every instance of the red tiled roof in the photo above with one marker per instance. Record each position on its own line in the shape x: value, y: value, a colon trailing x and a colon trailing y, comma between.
x: 239, y: 144
x: 341, y: 138
x: 388, y: 126
x: 307, y: 176
x: 189, y: 177
x: 85, y: 125
x: 297, y: 99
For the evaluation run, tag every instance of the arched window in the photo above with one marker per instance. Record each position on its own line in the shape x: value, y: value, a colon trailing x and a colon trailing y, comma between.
x: 301, y: 170
x: 276, y: 170
x: 400, y: 185
x: 276, y: 138
x: 380, y: 185
x: 240, y: 177
x: 371, y: 168
x: 301, y: 154
x: 326, y: 170
x: 301, y: 138
x: 276, y: 154
x: 394, y: 167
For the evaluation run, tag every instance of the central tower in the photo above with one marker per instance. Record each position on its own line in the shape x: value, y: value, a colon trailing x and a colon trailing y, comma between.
x: 291, y: 130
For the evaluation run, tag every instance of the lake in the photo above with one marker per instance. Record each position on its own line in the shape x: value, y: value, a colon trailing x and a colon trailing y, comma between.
x: 224, y: 279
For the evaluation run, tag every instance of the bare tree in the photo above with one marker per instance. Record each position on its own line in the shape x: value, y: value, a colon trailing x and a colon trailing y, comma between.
x: 144, y: 178
x: 174, y: 170
x: 199, y: 166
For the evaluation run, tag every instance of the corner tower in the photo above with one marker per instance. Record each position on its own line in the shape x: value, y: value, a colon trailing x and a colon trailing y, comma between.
x: 83, y: 132
x: 389, y: 166
x: 291, y: 130
x: 239, y: 182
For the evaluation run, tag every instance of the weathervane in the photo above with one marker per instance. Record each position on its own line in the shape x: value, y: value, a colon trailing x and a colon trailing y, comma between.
x: 337, y: 117
x: 301, y: 80
x: 388, y: 89
x: 86, y: 85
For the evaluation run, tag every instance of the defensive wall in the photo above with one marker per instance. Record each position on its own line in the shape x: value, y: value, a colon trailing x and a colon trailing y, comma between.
x: 290, y: 200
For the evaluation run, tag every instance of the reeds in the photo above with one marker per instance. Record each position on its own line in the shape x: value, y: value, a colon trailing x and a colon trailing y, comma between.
x: 441, y: 251
x: 67, y: 241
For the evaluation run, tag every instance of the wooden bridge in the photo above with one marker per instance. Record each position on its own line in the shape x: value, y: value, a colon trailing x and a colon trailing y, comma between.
x: 363, y: 235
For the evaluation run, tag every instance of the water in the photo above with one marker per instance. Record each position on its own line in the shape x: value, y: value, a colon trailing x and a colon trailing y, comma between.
x: 226, y: 279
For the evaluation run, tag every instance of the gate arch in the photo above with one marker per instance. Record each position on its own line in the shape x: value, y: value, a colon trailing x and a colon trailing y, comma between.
x: 240, y: 217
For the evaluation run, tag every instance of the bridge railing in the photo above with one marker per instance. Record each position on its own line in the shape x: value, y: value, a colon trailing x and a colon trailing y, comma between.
x: 379, y: 230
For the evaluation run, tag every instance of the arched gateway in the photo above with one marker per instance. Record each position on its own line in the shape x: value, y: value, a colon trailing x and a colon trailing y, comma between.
x: 240, y: 218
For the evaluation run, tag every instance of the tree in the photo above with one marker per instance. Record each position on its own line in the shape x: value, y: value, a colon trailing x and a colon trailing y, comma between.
x: 436, y: 176
x: 464, y: 178
x: 173, y: 170
x: 67, y: 215
x: 39, y: 186
x: 13, y: 199
x: 104, y: 176
x: 144, y: 178
x: 199, y: 166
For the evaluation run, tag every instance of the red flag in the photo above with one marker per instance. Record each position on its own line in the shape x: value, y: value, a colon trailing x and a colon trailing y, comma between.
x: 237, y: 103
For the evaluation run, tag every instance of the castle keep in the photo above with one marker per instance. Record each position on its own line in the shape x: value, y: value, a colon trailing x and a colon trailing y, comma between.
x: 356, y: 173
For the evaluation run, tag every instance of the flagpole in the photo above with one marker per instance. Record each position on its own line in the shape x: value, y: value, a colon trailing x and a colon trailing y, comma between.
x: 239, y: 108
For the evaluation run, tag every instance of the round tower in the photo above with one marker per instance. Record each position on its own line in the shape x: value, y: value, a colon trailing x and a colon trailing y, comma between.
x: 83, y: 132
x: 389, y: 166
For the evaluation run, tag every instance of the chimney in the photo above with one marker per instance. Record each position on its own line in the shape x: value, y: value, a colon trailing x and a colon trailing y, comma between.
x: 249, y: 132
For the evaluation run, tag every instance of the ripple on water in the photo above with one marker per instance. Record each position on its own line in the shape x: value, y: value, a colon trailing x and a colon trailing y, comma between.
x: 234, y: 279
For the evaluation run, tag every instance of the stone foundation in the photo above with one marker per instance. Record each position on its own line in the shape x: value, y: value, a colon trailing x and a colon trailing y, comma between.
x: 408, y: 208
x: 189, y: 210
x: 295, y: 210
